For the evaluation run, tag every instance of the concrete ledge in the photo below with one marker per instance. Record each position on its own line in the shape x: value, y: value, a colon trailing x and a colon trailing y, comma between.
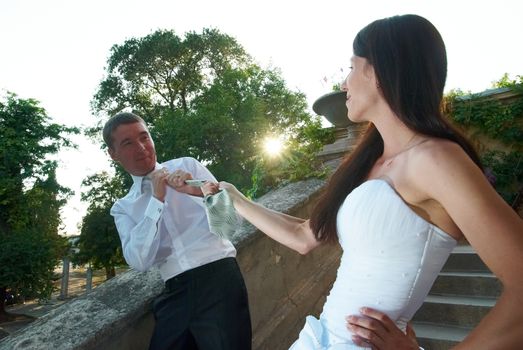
x: 283, y: 287
x: 291, y: 198
x: 91, y: 321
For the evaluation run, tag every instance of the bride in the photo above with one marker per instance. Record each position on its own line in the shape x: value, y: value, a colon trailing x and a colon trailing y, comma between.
x: 400, y: 201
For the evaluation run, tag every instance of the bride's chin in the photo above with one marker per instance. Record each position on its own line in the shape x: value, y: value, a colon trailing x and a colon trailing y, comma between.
x: 351, y: 117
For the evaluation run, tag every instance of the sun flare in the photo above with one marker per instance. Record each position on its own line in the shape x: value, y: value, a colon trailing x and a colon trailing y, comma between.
x: 273, y: 146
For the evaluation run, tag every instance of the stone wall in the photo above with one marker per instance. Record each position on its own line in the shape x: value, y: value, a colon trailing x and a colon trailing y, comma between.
x: 283, y: 285
x: 283, y: 288
x: 482, y: 142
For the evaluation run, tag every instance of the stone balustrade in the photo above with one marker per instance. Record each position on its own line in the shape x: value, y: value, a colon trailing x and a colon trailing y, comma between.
x: 283, y: 288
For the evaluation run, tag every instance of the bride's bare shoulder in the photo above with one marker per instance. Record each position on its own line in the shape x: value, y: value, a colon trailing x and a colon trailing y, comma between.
x: 439, y: 160
x: 438, y: 150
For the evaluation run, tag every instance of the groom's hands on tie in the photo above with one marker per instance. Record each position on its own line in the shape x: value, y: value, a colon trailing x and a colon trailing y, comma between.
x: 177, y: 180
x: 159, y: 183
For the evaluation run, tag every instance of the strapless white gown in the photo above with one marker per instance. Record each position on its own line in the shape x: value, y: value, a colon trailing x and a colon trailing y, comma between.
x: 391, y: 257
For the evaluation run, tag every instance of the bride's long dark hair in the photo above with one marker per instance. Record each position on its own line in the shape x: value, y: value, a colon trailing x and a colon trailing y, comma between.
x: 409, y: 58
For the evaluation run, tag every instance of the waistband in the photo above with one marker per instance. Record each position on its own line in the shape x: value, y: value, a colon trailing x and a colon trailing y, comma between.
x: 201, y: 272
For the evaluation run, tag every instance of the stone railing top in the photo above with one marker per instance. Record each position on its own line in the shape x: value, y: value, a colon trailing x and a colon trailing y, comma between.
x: 498, y: 93
x: 88, y: 321
x: 284, y: 199
x: 83, y: 321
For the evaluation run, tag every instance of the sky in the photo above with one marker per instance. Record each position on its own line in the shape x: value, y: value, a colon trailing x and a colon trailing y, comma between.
x: 55, y: 51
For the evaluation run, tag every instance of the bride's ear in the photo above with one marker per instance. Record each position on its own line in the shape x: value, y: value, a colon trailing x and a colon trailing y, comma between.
x: 370, y: 73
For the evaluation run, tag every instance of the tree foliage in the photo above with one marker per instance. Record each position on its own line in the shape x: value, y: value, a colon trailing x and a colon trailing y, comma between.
x: 507, y: 171
x: 162, y: 70
x: 30, y: 197
x: 499, y: 120
x: 506, y: 82
x: 99, y: 243
x: 203, y: 96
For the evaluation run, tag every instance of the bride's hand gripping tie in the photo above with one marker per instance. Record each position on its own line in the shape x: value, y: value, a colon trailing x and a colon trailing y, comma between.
x: 233, y: 192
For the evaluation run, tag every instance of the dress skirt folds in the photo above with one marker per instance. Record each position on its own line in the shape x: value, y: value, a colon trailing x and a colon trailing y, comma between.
x: 314, y: 336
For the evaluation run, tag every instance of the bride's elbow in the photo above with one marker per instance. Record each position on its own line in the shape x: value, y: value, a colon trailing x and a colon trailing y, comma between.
x: 306, y: 246
x: 305, y: 239
x: 303, y: 249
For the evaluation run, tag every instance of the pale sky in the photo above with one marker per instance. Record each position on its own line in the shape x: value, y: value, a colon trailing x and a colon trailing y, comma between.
x: 55, y: 51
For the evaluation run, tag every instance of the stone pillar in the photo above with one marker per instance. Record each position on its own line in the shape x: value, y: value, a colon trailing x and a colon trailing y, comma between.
x: 65, y: 279
x: 346, y: 139
x: 333, y: 107
x: 89, y: 280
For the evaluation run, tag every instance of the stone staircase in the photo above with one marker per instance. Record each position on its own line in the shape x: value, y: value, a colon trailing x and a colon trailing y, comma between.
x: 461, y: 296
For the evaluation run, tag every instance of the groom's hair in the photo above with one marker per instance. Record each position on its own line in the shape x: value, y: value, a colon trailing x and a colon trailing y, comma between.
x: 117, y: 120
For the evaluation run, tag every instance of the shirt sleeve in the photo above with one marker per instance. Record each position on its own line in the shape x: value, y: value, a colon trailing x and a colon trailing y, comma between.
x: 140, y: 240
x: 198, y: 170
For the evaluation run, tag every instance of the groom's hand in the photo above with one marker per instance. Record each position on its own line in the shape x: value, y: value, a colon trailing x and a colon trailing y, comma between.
x: 177, y: 181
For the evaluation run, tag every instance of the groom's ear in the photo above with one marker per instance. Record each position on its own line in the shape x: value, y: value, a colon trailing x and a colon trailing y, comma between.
x: 112, y: 154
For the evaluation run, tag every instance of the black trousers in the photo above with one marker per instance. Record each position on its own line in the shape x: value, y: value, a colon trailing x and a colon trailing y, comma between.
x: 205, y: 308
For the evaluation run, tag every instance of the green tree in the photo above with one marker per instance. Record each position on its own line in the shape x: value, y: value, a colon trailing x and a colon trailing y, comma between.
x: 507, y: 82
x: 30, y: 198
x: 203, y: 96
x: 162, y: 70
x: 99, y: 243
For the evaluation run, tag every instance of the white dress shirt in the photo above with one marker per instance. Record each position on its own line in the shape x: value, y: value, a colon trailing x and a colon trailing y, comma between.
x: 173, y: 235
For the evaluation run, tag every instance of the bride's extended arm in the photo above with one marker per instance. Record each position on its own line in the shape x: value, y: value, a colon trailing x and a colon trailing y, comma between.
x: 288, y: 230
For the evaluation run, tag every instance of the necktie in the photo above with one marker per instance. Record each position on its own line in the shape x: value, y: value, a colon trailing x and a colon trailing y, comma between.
x: 147, y: 185
x: 221, y: 214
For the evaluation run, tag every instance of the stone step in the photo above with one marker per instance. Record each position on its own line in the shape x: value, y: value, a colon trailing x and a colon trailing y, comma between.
x: 461, y: 296
x: 454, y: 310
x: 464, y: 258
x: 476, y: 284
x: 438, y: 337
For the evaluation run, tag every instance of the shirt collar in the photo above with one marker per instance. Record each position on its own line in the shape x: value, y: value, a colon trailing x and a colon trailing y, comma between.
x: 137, y: 180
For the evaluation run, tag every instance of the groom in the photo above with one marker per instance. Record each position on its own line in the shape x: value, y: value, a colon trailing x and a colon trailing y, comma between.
x: 162, y: 222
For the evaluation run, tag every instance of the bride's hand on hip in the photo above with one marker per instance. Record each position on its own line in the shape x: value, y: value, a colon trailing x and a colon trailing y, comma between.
x: 375, y: 329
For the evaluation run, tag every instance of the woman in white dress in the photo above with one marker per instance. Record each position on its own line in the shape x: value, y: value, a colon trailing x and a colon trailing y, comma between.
x: 400, y: 201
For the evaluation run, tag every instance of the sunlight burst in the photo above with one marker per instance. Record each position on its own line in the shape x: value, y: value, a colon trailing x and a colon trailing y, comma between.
x: 273, y: 146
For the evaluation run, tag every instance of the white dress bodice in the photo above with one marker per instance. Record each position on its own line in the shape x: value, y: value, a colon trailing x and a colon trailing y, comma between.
x: 391, y: 257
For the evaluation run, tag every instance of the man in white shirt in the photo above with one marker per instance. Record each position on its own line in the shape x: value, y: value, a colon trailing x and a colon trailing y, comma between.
x: 162, y: 222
